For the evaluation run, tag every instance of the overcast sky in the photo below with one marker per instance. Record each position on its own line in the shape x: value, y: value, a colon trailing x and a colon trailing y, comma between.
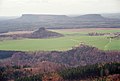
x: 67, y: 7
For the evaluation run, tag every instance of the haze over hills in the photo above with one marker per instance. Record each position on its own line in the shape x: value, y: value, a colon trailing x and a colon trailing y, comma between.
x: 32, y: 22
x: 2, y: 18
x: 112, y: 15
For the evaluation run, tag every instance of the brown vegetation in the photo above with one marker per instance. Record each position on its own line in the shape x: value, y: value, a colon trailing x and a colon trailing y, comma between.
x: 41, y: 33
x: 86, y: 29
x: 78, y: 56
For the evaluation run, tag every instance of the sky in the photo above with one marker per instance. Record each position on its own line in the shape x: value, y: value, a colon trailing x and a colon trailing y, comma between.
x: 59, y: 7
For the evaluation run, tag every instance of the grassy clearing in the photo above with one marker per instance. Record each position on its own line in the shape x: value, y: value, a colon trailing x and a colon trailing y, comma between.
x: 63, y: 43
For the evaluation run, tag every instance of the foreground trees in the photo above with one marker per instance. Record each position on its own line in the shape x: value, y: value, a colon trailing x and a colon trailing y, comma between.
x: 96, y: 72
x: 30, y: 78
x: 90, y: 71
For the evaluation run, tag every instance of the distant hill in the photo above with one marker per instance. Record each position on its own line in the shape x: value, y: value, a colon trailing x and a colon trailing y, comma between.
x: 91, y: 17
x: 112, y: 15
x: 43, y: 33
x: 31, y: 22
x: 2, y: 18
x: 40, y: 33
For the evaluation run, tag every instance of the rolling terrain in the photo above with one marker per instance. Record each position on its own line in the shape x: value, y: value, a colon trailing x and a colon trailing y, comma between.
x: 78, y: 56
x: 82, y: 48
x: 80, y: 63
x: 72, y: 38
x: 32, y: 22
x: 37, y: 34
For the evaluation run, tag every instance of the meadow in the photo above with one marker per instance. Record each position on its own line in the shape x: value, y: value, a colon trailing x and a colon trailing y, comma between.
x: 72, y: 38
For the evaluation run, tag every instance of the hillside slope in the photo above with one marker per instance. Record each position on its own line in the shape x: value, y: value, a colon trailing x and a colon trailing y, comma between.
x: 32, y: 22
x: 40, y: 33
x: 79, y: 56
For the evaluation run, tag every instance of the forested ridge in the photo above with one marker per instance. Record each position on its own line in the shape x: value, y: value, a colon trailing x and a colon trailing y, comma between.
x: 80, y: 63
x: 95, y: 72
x: 91, y: 71
x: 78, y: 56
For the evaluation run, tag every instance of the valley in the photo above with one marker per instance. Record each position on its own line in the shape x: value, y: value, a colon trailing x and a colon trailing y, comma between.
x: 83, y: 48
x: 71, y: 38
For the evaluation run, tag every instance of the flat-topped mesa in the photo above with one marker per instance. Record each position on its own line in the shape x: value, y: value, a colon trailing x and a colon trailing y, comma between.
x: 28, y: 15
x: 91, y: 16
x: 41, y: 16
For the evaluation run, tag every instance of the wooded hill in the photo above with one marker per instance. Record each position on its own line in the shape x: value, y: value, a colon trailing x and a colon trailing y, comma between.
x: 40, y: 33
x: 78, y: 56
x: 80, y: 63
x: 96, y: 72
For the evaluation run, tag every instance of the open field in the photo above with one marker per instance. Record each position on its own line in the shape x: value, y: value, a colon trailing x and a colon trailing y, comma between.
x: 88, y: 30
x: 72, y: 38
